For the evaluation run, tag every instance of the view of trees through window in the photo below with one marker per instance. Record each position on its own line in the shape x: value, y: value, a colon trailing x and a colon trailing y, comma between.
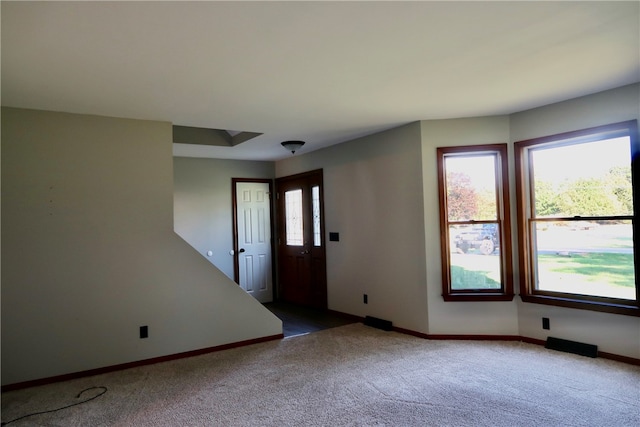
x: 474, y: 259
x: 466, y: 201
x: 471, y: 196
x: 576, y: 213
x: 593, y: 189
x: 580, y: 211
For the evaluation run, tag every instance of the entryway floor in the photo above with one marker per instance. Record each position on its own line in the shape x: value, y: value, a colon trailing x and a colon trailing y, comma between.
x: 299, y: 320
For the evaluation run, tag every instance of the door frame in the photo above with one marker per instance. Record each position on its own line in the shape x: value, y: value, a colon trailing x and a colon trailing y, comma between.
x: 234, y: 216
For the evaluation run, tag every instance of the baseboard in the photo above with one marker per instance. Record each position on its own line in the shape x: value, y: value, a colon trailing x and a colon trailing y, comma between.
x: 604, y: 355
x: 476, y: 337
x: 410, y: 332
x: 534, y: 341
x: 346, y: 315
x: 618, y: 358
x: 107, y: 369
x: 154, y: 360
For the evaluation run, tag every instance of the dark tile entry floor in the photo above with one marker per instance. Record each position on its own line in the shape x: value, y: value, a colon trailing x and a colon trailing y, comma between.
x: 299, y: 320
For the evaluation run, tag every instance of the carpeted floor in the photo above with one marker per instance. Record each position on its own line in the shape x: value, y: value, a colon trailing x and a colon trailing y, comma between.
x: 351, y: 376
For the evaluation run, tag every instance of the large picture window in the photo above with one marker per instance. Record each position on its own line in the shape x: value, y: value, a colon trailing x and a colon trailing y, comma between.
x: 576, y: 218
x: 474, y: 223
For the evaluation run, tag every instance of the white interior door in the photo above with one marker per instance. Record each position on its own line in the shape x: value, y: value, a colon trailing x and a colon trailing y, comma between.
x: 254, y: 239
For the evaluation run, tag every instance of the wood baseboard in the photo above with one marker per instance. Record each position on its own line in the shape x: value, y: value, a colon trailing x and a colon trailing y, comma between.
x: 346, y: 315
x: 410, y: 332
x: 476, y: 337
x: 618, y: 358
x: 604, y: 355
x: 107, y: 369
x: 534, y: 341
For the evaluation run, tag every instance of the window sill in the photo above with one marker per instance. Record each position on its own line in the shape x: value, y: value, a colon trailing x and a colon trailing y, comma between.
x: 614, y: 308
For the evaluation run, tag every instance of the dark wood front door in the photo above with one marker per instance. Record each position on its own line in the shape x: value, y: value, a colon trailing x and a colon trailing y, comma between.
x: 301, y: 244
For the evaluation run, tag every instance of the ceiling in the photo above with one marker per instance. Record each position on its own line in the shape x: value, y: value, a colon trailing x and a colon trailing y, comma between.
x: 322, y: 72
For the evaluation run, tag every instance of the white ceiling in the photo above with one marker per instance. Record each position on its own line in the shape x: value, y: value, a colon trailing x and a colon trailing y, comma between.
x: 323, y: 72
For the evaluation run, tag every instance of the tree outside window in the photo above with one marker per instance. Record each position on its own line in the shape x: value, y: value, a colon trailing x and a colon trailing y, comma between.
x: 576, y: 214
x: 474, y: 220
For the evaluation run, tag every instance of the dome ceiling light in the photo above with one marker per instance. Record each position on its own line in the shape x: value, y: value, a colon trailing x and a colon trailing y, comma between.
x: 292, y: 146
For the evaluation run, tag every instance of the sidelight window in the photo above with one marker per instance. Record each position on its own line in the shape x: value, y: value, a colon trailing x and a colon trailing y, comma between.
x: 315, y: 202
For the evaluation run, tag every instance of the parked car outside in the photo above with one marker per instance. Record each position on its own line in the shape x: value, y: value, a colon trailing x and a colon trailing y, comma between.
x: 483, y: 237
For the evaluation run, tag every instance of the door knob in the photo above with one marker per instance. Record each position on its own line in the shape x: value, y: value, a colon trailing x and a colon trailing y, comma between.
x: 241, y: 250
x: 304, y: 252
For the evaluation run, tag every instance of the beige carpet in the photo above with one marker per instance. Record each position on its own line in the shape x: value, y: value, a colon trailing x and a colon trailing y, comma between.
x: 350, y: 376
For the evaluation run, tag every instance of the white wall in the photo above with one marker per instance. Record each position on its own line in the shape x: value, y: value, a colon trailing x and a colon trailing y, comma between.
x: 203, y: 211
x: 456, y: 317
x: 382, y: 189
x: 374, y: 190
x: 373, y: 198
x: 89, y: 252
x: 611, y: 333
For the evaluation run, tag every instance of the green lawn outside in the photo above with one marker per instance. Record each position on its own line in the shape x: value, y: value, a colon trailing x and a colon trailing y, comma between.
x: 596, y: 261
x: 470, y: 271
x: 610, y: 268
x: 593, y: 273
x: 601, y: 274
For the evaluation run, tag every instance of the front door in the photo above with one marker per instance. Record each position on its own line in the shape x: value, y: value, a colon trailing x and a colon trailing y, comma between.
x: 301, y: 247
x: 252, y: 239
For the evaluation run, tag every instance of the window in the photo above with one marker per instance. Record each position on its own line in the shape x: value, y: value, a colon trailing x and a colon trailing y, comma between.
x: 576, y: 218
x: 315, y: 208
x: 474, y: 223
x: 293, y: 217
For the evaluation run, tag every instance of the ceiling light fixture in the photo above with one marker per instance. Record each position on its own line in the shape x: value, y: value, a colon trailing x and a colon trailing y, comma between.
x: 292, y: 146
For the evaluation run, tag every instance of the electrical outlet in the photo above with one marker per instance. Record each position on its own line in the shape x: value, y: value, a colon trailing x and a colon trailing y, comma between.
x: 365, y: 298
x: 144, y: 332
x: 545, y: 323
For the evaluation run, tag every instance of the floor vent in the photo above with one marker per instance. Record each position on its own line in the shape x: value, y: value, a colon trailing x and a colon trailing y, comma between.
x: 567, y: 346
x: 374, y: 322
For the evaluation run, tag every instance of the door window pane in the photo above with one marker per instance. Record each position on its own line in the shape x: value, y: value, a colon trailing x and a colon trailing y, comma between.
x: 317, y: 233
x: 293, y: 218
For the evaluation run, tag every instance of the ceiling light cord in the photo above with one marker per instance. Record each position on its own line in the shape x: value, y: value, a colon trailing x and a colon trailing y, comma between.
x: 104, y: 390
